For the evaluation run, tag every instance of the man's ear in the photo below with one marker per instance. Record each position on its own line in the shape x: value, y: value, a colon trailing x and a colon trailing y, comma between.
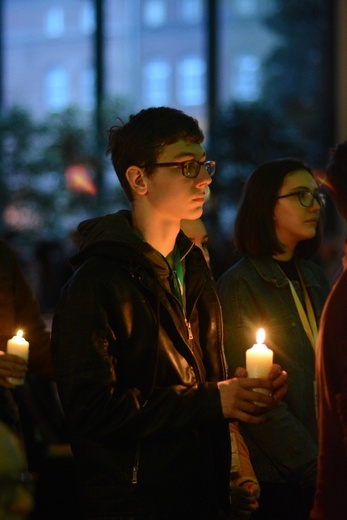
x: 137, y: 180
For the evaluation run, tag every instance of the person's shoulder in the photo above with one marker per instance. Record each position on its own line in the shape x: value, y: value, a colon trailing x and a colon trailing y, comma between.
x: 236, y: 270
x: 310, y: 266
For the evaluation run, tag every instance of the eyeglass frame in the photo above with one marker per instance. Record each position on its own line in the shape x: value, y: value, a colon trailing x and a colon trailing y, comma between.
x: 182, y: 163
x: 317, y: 196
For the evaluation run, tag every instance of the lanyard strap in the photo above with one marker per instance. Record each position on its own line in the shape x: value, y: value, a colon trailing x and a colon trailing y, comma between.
x: 308, y: 319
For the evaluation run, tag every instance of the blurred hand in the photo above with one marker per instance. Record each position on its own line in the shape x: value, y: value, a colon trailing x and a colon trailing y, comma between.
x: 243, y: 500
x: 11, y: 366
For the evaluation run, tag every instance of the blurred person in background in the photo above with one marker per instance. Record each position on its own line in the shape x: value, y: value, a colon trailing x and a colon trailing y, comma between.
x: 33, y: 410
x: 19, y: 310
x: 331, y: 367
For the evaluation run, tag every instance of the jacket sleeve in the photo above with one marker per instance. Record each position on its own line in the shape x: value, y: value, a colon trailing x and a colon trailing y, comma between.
x: 105, y: 352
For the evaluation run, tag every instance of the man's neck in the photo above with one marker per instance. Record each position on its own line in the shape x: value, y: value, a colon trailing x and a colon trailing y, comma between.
x: 159, y: 233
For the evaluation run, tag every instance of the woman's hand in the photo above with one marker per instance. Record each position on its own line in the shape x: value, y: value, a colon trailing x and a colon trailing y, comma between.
x: 279, y: 382
x: 11, y: 366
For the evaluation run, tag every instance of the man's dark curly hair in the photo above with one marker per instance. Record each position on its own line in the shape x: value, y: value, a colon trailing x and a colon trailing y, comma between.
x: 140, y: 140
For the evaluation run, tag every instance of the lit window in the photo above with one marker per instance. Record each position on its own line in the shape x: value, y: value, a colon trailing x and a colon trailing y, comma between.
x: 191, y: 10
x: 191, y: 88
x: 154, y: 13
x: 247, y: 86
x: 88, y: 18
x: 55, y: 22
x: 156, y: 83
x: 246, y: 7
x: 57, y: 89
x: 87, y: 98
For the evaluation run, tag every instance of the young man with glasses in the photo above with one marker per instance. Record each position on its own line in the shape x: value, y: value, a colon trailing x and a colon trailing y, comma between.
x: 137, y: 340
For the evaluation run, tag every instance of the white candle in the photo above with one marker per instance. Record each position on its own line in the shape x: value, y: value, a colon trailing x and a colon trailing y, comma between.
x: 259, y: 357
x: 20, y: 347
x: 259, y: 360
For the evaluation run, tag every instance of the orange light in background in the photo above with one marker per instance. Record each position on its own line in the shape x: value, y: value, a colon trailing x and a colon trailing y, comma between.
x: 79, y: 179
x: 321, y: 178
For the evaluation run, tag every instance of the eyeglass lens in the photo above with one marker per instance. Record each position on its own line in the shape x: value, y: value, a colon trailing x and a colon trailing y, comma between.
x: 307, y: 198
x: 192, y: 168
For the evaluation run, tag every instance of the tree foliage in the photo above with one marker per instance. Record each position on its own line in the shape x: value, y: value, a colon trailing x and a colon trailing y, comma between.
x: 294, y: 115
x: 35, y: 157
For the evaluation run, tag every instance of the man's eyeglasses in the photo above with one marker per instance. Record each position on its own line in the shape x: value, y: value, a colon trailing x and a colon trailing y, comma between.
x: 307, y: 198
x: 191, y: 168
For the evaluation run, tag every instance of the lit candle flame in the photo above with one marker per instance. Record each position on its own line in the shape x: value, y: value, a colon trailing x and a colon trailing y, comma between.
x: 260, y: 336
x: 20, y: 333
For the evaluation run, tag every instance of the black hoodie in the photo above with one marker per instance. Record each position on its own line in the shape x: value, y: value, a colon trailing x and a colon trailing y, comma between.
x: 139, y: 393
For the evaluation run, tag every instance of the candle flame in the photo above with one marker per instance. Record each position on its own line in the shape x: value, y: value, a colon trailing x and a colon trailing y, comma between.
x: 20, y: 333
x: 260, y: 336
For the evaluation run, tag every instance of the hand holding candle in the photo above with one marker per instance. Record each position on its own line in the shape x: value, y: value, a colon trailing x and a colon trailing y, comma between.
x: 259, y: 360
x: 20, y: 347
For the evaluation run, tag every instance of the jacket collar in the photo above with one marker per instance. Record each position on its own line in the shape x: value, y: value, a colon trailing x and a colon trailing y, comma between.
x: 111, y: 234
x: 268, y: 269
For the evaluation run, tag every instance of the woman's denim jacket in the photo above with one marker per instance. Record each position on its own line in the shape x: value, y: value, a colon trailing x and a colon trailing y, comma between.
x: 255, y: 293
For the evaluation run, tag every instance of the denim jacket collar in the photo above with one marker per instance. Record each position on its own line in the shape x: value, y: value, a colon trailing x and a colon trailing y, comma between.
x: 268, y: 269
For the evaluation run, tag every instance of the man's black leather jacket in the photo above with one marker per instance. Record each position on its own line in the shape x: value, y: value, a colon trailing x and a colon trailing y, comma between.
x: 141, y: 398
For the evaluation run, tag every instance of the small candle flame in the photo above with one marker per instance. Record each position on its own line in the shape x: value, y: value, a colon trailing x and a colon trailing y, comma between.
x: 260, y: 336
x: 20, y: 333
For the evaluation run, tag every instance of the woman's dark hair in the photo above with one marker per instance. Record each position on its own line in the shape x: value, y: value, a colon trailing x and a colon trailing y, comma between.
x: 254, y: 224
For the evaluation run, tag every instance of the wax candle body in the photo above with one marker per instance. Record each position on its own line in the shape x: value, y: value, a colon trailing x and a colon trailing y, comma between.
x: 259, y: 360
x: 20, y: 347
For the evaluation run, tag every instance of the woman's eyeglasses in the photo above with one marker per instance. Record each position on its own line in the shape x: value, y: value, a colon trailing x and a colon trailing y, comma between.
x: 307, y: 198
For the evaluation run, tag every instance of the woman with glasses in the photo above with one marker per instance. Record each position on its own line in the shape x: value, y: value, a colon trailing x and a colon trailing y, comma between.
x: 277, y: 287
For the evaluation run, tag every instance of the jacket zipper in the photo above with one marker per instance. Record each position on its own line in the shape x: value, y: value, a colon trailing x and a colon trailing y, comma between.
x: 189, y: 329
x: 136, y: 466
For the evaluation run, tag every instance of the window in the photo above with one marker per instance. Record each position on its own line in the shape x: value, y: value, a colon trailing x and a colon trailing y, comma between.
x: 154, y: 13
x: 55, y: 22
x: 57, y: 89
x: 247, y: 78
x: 156, y: 83
x: 191, y: 74
x: 88, y: 18
x: 191, y: 11
x: 87, y: 98
x: 246, y: 7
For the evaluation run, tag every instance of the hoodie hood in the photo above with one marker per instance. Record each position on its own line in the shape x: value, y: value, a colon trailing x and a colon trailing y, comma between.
x: 114, y: 227
x: 110, y: 234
